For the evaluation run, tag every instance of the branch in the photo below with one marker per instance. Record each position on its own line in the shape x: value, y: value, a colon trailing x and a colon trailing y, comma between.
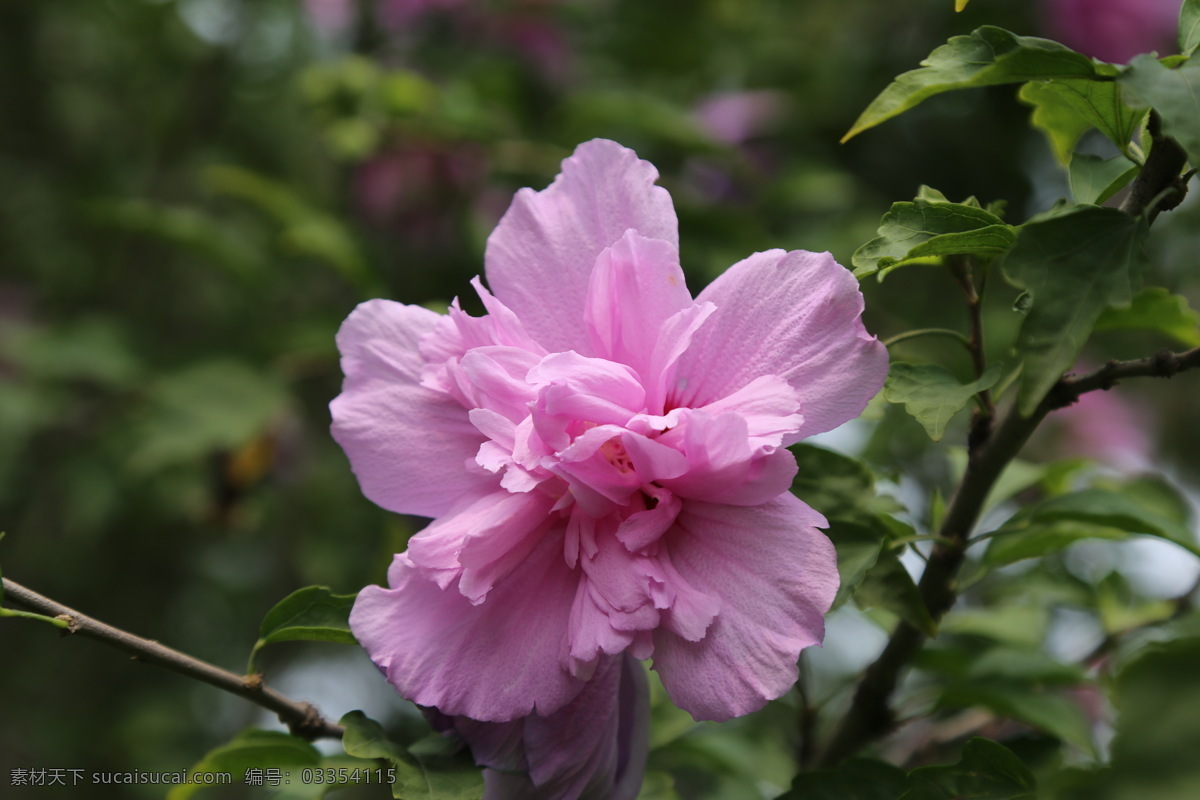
x: 302, y: 719
x: 870, y: 716
x: 1158, y: 186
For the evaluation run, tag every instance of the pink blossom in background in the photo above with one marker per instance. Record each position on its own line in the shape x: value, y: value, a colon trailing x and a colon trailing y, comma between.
x: 735, y: 117
x: 1104, y: 426
x: 605, y: 461
x: 330, y: 16
x: 1113, y: 30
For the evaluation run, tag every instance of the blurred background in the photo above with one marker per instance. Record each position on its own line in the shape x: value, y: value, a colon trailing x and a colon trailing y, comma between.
x: 195, y: 193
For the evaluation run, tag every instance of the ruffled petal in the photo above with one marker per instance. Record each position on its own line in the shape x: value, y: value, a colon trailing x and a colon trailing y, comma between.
x: 796, y: 315
x: 594, y: 748
x: 636, y: 286
x: 410, y: 447
x: 540, y: 257
x: 496, y: 661
x: 775, y: 575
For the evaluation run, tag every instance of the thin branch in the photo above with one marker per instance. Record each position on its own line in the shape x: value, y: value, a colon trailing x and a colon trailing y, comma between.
x: 1158, y: 186
x: 870, y: 716
x: 302, y: 719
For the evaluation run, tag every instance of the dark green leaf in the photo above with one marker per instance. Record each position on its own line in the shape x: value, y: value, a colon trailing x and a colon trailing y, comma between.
x: 986, y: 771
x: 1075, y: 264
x: 888, y: 586
x: 1065, y: 109
x: 1158, y: 724
x: 1173, y: 93
x: 858, y: 548
x: 1094, y: 179
x: 836, y: 485
x: 426, y: 772
x: 1091, y: 513
x: 1020, y: 625
x: 254, y: 749
x: 931, y: 394
x: 1051, y: 712
x: 312, y: 614
x: 857, y: 779
x: 1189, y: 27
x: 1156, y: 309
x: 987, y: 57
x: 923, y: 231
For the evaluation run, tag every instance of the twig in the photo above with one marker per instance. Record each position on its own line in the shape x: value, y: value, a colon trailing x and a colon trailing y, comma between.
x: 1158, y: 186
x: 870, y: 716
x: 302, y: 719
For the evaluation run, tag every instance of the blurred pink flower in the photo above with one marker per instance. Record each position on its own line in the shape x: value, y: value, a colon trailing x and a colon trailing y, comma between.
x: 1113, y: 30
x: 330, y: 16
x: 1105, y: 427
x: 734, y: 117
x: 604, y: 458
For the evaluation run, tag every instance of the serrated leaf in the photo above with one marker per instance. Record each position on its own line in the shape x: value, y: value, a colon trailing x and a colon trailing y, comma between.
x: 313, y: 614
x: 1065, y: 109
x: 1074, y: 263
x: 1189, y: 27
x: 1156, y: 309
x: 856, y: 779
x: 925, y: 230
x: 431, y: 774
x: 888, y: 586
x: 989, y: 56
x: 253, y: 749
x: 1173, y: 93
x: 931, y: 394
x: 985, y: 771
x: 1094, y: 179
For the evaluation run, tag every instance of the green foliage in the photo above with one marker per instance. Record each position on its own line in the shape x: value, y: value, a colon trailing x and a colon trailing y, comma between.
x: 1172, y: 93
x: 1189, y: 27
x: 264, y: 750
x: 428, y: 769
x: 923, y: 231
x: 1075, y: 263
x: 1093, y: 513
x: 987, y: 57
x: 1155, y: 309
x: 931, y: 394
x: 1065, y: 109
x: 313, y: 614
x: 986, y: 771
x: 1094, y: 179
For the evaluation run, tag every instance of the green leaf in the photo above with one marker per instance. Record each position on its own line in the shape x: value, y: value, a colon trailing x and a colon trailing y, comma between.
x: 1065, y: 109
x: 888, y: 586
x: 1088, y: 514
x: 312, y: 614
x: 1189, y: 27
x: 987, y: 57
x: 254, y: 749
x: 1173, y: 93
x: 1047, y: 711
x: 837, y: 485
x: 427, y: 770
x: 1156, y: 309
x: 1094, y: 179
x: 931, y: 394
x: 858, y: 548
x: 986, y: 771
x: 1158, y: 724
x: 922, y: 231
x: 1020, y: 625
x: 856, y: 779
x: 1075, y: 264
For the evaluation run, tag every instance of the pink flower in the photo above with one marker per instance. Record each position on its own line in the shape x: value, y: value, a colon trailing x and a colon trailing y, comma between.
x: 1113, y: 30
x: 604, y: 458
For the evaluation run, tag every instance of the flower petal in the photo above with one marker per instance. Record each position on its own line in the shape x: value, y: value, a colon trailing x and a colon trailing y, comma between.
x: 775, y: 575
x: 594, y: 748
x: 636, y: 286
x: 796, y: 315
x: 540, y: 257
x: 496, y: 661
x: 388, y: 423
